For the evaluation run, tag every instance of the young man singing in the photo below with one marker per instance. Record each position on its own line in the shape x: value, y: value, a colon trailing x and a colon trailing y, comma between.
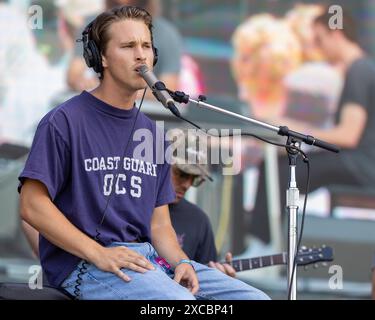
x: 102, y: 212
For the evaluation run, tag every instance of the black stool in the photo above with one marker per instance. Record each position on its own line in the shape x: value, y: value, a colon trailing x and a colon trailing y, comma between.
x: 21, y: 291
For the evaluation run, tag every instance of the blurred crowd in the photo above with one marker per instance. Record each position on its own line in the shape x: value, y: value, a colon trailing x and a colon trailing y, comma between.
x: 40, y: 68
x: 275, y: 62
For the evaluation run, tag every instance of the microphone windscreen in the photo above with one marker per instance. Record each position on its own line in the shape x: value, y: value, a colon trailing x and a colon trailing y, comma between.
x: 142, y: 69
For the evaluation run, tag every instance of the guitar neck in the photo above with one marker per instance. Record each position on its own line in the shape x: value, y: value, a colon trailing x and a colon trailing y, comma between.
x: 259, y: 262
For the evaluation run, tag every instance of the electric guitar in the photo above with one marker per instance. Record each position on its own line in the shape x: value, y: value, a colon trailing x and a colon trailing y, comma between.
x: 305, y: 257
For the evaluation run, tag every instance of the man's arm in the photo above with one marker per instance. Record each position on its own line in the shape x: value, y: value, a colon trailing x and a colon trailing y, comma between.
x: 38, y: 210
x: 347, y: 133
x: 32, y: 236
x: 164, y: 238
x: 76, y: 78
x: 165, y: 242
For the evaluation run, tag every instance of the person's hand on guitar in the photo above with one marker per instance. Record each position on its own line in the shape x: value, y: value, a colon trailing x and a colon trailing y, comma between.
x: 224, y: 267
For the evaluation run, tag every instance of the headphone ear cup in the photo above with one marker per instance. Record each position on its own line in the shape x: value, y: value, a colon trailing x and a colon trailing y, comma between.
x: 87, y: 55
x: 156, y: 55
x: 96, y: 58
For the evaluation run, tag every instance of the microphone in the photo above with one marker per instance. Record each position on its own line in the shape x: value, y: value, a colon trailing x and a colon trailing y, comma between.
x: 158, y: 89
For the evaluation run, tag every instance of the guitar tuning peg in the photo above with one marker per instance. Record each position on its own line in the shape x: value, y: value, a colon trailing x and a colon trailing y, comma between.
x: 316, y: 265
x: 325, y: 264
x: 303, y: 248
x: 305, y: 268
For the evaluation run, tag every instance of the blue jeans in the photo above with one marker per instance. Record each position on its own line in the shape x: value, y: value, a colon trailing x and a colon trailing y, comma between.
x: 157, y: 284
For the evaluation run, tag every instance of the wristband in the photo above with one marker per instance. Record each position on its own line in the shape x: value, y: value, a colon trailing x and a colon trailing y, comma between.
x: 184, y: 261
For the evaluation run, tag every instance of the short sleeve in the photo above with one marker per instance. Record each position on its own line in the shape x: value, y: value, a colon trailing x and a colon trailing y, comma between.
x: 48, y: 160
x: 206, y: 250
x: 165, y: 192
x: 357, y: 86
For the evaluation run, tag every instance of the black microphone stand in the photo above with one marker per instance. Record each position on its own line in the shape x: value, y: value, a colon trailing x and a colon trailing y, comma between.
x: 294, y: 139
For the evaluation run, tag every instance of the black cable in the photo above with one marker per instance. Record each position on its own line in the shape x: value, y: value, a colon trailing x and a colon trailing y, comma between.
x: 104, y: 212
x: 305, y: 159
x: 78, y: 283
x: 83, y: 268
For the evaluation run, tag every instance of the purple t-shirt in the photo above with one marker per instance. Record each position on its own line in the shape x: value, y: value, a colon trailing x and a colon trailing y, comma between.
x: 78, y: 150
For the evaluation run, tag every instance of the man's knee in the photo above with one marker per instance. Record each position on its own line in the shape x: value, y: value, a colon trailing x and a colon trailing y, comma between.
x: 256, y: 294
x: 178, y: 295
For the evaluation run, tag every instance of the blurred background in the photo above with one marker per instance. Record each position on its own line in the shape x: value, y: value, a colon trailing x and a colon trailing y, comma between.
x: 256, y: 58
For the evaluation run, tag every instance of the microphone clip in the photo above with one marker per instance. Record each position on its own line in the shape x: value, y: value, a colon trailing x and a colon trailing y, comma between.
x: 160, y: 86
x: 179, y: 96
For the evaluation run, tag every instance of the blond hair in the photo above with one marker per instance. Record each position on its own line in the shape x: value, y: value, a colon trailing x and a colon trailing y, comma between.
x: 264, y: 41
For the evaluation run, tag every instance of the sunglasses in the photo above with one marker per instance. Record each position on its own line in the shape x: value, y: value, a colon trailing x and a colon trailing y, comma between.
x: 183, y: 176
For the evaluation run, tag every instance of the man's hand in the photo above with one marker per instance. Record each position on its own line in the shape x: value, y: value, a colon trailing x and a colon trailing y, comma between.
x: 113, y: 259
x: 226, y: 267
x: 185, y: 275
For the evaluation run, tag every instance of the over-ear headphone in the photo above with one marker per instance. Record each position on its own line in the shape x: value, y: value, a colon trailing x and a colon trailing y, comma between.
x: 91, y: 52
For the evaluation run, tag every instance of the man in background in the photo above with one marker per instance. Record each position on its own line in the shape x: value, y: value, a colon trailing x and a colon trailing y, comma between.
x: 353, y: 131
x: 191, y: 223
